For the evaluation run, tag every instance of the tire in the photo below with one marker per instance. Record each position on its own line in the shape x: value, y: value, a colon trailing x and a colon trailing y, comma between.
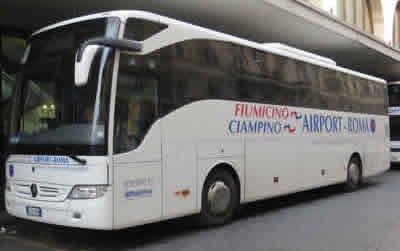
x: 220, y: 199
x: 354, y: 175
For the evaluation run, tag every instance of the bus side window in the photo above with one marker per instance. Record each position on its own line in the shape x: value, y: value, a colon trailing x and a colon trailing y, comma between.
x: 195, y: 70
x: 136, y: 105
x: 384, y: 90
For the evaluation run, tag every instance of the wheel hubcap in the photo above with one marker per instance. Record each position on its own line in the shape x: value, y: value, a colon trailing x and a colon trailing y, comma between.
x: 354, y: 173
x: 219, y: 197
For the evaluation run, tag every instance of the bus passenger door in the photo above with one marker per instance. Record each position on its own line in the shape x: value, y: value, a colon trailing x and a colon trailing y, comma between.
x: 137, y: 143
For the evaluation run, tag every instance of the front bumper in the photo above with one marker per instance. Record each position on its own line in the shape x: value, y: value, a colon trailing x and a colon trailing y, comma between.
x: 94, y: 213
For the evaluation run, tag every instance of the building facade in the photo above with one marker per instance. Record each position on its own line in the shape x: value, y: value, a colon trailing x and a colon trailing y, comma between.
x: 380, y: 18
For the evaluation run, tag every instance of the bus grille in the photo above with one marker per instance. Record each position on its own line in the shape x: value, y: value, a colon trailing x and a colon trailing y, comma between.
x: 46, y: 192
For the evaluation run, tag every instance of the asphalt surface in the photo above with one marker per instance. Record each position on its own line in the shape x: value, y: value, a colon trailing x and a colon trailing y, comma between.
x: 322, y: 219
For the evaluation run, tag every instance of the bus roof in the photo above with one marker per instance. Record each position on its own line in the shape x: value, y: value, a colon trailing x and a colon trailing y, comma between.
x: 204, y: 33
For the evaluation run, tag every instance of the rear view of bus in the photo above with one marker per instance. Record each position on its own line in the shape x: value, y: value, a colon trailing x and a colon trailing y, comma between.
x: 394, y: 118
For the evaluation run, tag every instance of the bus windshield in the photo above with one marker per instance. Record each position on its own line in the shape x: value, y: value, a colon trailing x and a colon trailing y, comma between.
x: 53, y: 115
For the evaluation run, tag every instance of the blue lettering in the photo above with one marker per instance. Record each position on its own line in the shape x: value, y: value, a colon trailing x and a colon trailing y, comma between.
x: 277, y: 127
x: 230, y: 126
x: 349, y: 124
x: 243, y: 128
x: 321, y: 122
x: 270, y: 129
x: 334, y: 124
x: 138, y: 193
x: 328, y: 128
x: 260, y: 125
x: 355, y: 125
x: 251, y: 128
x: 366, y: 127
x: 305, y: 124
x: 55, y: 159
x: 316, y: 128
x: 361, y: 123
x: 340, y: 124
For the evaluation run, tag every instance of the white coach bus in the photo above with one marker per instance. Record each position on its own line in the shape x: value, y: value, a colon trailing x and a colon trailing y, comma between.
x: 394, y: 118
x: 126, y: 118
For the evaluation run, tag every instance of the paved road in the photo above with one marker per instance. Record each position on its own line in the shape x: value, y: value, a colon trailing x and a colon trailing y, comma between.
x: 323, y: 219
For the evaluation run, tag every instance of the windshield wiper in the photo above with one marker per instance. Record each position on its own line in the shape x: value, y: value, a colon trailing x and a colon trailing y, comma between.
x: 73, y: 156
x: 76, y: 158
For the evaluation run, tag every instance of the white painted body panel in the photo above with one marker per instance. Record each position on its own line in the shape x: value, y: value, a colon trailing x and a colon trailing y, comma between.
x: 181, y: 148
x: 137, y: 179
x: 96, y: 213
x: 296, y: 158
x: 196, y: 138
x: 65, y: 172
x: 60, y: 179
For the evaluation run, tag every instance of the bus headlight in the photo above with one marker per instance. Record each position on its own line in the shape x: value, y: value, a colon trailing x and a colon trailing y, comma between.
x: 80, y: 192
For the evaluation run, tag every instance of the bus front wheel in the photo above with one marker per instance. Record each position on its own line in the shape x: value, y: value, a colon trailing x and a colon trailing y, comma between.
x: 354, y: 175
x: 220, y: 199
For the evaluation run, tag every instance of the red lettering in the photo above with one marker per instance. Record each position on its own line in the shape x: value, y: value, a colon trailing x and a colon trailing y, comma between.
x: 254, y: 111
x: 277, y: 111
x: 246, y: 111
x: 259, y: 111
x: 268, y: 109
x: 237, y: 106
x: 285, y: 113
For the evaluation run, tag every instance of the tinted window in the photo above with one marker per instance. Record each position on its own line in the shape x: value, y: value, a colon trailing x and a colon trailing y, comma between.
x: 394, y: 95
x: 394, y: 128
x: 200, y: 69
x: 136, y: 104
x: 197, y: 70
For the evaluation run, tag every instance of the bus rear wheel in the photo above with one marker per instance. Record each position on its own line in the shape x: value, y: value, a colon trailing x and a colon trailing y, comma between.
x: 354, y: 175
x: 220, y: 199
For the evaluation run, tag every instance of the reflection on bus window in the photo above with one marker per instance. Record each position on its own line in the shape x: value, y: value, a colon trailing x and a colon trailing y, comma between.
x: 136, y: 106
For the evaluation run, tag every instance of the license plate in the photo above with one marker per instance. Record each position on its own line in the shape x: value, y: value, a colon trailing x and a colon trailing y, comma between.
x: 34, y: 211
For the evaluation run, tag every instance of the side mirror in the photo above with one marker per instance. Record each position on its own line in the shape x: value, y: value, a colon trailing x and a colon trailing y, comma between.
x: 85, y: 55
x: 82, y: 66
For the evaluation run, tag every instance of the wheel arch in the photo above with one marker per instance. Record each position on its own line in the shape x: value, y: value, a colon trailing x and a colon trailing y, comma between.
x: 227, y: 167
